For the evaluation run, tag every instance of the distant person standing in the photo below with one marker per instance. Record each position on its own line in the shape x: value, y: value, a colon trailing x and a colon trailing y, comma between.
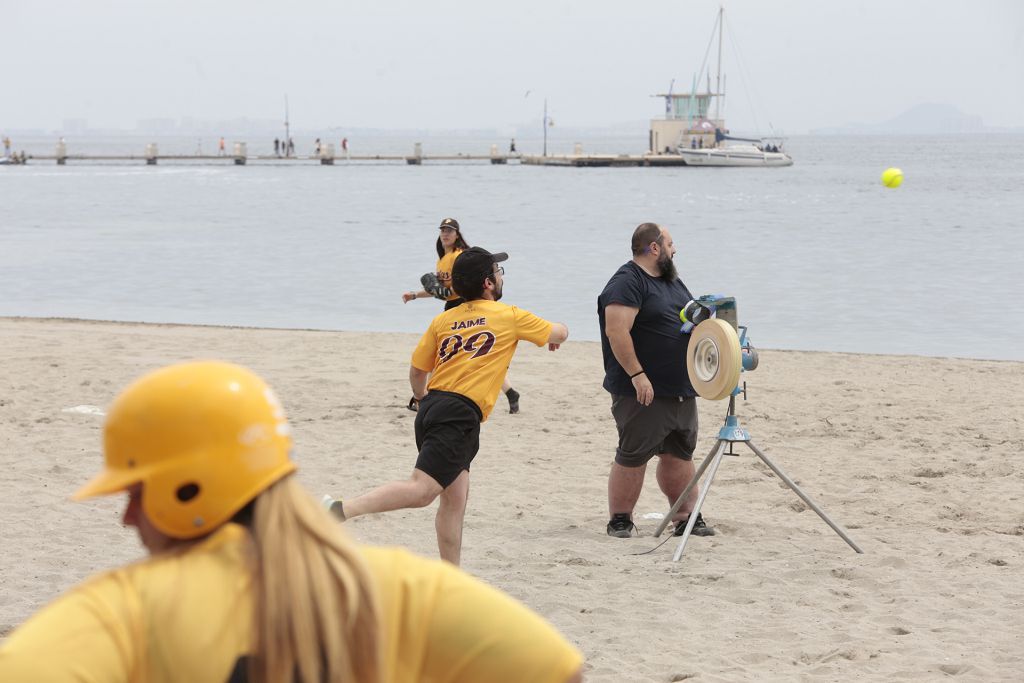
x: 291, y: 146
x: 220, y: 147
x: 344, y: 146
x: 7, y: 146
x: 316, y: 147
x: 512, y: 146
x: 277, y: 147
x: 653, y: 402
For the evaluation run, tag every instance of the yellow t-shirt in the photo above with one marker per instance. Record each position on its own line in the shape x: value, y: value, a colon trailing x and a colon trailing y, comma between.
x: 467, y: 349
x: 187, y: 617
x: 444, y: 271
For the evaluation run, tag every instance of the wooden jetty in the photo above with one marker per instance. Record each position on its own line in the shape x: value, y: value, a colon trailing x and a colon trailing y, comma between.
x: 239, y: 156
x: 269, y: 159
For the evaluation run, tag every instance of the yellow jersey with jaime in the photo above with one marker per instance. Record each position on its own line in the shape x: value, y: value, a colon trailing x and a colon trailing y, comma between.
x: 444, y: 271
x: 467, y: 349
x: 188, y: 617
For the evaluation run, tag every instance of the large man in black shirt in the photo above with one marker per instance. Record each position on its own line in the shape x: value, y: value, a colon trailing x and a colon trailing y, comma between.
x: 653, y: 402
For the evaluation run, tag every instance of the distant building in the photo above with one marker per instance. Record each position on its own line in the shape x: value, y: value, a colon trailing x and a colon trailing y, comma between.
x: 688, y: 122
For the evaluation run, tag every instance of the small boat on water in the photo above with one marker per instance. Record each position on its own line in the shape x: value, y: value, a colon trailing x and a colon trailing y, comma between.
x: 734, y: 155
x: 694, y: 128
x: 736, y: 152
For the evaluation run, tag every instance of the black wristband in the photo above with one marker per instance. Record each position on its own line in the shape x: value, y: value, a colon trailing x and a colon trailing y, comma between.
x: 637, y: 374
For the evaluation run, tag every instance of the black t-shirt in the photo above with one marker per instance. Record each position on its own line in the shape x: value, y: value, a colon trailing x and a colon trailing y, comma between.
x: 660, y: 346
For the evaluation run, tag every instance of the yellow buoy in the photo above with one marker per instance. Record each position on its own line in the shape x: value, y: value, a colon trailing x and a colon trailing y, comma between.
x: 892, y: 177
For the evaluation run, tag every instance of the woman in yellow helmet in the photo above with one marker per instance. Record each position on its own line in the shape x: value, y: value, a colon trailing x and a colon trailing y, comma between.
x: 248, y: 579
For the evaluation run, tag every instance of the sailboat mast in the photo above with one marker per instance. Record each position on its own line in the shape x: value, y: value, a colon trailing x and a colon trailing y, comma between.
x: 718, y: 77
x: 287, y: 133
x: 723, y: 94
x: 545, y: 126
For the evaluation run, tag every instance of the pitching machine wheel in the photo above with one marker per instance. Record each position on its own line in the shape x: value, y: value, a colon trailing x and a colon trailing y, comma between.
x: 714, y: 359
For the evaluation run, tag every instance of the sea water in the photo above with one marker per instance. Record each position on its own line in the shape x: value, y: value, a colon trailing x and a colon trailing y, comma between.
x: 819, y: 256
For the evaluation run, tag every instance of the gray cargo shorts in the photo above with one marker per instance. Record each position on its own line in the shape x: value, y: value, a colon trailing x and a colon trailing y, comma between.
x: 667, y: 426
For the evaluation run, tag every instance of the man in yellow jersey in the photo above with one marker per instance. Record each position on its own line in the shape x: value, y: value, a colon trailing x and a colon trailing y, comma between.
x: 465, y: 353
x: 451, y: 243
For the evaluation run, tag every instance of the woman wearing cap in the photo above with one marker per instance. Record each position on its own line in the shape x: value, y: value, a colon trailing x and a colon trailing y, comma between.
x: 451, y: 243
x: 248, y: 579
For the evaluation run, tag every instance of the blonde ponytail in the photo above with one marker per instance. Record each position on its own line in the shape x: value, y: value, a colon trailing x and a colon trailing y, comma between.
x: 316, y: 613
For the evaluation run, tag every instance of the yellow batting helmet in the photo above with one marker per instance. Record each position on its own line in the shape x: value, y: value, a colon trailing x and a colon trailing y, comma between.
x: 203, y: 439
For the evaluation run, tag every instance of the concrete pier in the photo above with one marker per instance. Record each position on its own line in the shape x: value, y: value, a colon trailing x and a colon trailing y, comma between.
x: 239, y: 156
x: 602, y: 160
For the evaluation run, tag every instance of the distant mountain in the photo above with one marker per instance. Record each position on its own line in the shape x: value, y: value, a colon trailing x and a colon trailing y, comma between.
x: 923, y: 119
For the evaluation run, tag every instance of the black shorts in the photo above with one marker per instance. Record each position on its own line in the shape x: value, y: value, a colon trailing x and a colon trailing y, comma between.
x: 667, y: 426
x: 448, y: 305
x: 447, y: 435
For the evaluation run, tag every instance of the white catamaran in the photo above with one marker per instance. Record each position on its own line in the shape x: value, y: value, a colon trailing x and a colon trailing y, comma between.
x: 692, y: 131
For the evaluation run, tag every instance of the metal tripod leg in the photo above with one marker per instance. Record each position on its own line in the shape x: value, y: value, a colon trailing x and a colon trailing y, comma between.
x: 796, y: 489
x: 700, y: 501
x: 719, y: 446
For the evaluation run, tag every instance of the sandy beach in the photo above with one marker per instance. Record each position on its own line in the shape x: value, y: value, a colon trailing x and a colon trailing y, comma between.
x: 918, y: 458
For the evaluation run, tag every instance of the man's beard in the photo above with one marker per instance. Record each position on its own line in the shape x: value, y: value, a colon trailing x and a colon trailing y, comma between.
x: 667, y: 269
x: 497, y: 292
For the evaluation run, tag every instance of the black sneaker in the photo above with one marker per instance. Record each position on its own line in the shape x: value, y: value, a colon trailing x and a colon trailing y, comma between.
x: 700, y: 528
x: 513, y: 401
x: 621, y: 526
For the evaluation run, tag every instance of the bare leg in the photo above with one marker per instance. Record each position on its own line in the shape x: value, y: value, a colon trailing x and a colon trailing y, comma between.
x: 450, y: 514
x: 418, y: 491
x: 624, y: 486
x: 506, y: 385
x: 673, y: 476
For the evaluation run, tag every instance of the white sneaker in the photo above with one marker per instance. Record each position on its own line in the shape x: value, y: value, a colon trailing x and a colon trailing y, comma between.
x: 333, y: 506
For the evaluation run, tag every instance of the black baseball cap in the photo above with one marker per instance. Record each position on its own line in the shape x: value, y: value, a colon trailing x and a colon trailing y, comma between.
x: 476, y: 262
x: 450, y: 223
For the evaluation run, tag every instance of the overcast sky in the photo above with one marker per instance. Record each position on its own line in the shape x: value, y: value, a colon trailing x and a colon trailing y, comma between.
x: 447, y: 64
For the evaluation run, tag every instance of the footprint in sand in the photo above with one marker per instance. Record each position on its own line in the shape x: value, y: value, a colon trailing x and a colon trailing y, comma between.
x: 955, y: 669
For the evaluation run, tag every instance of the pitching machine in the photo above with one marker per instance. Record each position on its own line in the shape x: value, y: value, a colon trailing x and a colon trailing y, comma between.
x: 719, y: 351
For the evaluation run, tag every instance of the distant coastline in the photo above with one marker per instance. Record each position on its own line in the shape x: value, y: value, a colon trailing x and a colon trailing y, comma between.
x: 923, y: 119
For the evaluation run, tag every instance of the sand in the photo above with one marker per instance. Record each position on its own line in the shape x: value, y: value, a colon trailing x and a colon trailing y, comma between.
x: 918, y: 458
